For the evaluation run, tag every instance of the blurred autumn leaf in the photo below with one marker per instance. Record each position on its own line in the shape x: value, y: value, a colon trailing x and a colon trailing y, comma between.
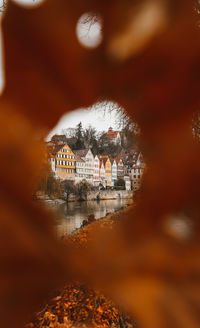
x: 153, y: 72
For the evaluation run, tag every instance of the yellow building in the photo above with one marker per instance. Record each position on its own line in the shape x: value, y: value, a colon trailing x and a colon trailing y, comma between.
x: 108, y: 170
x: 65, y: 163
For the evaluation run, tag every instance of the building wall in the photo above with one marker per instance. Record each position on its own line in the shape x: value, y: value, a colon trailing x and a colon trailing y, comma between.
x: 114, y: 173
x: 102, y: 175
x: 65, y: 163
x: 80, y: 171
x: 120, y: 169
x: 136, y: 175
x: 53, y: 164
x: 89, y: 166
x: 108, y: 173
x: 127, y: 182
x: 96, y: 173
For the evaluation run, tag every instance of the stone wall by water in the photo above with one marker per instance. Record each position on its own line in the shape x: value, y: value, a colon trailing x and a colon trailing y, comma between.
x: 109, y: 194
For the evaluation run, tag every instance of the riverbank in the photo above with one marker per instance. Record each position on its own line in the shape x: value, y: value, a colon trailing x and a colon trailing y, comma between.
x: 78, y: 305
x: 91, y: 195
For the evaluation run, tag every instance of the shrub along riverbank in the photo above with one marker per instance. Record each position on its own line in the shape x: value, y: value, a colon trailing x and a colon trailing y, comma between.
x: 83, y: 190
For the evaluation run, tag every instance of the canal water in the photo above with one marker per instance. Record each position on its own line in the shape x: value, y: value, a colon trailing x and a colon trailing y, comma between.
x: 69, y: 216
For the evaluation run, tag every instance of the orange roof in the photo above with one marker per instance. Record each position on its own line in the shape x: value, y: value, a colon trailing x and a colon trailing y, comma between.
x: 101, y: 163
x: 117, y: 159
x: 111, y: 134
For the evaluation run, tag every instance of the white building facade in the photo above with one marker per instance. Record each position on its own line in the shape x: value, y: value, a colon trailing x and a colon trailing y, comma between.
x: 102, y: 173
x: 85, y: 169
x: 80, y: 170
x: 137, y: 172
x: 114, y: 171
x: 127, y: 182
x: 96, y: 177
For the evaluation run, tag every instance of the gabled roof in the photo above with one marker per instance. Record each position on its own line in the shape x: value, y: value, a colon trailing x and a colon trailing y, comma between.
x: 117, y: 159
x: 79, y: 159
x: 112, y: 160
x: 58, y: 138
x: 102, y: 164
x: 104, y: 158
x: 54, y: 149
x: 81, y: 152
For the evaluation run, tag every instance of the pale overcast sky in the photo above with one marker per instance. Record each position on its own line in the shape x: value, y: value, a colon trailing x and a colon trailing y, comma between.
x: 101, y: 119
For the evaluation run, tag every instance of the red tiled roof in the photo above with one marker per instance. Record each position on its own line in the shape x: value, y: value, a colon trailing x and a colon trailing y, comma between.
x: 111, y: 134
x: 101, y: 163
x: 117, y: 159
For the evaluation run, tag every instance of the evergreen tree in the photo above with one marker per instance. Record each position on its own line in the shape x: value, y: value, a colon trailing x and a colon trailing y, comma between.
x: 79, y: 137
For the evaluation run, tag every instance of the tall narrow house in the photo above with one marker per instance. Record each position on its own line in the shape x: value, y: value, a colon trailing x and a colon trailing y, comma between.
x: 64, y: 162
x: 88, y: 164
x: 108, y: 170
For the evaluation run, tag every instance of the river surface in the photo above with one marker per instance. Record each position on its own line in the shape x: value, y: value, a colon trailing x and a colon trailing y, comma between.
x: 69, y: 216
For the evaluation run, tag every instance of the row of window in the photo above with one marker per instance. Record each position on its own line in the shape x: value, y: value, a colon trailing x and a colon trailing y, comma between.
x: 66, y: 156
x: 65, y: 150
x: 80, y: 164
x: 80, y: 170
x: 64, y: 163
x: 63, y: 170
x: 136, y: 177
x: 137, y: 170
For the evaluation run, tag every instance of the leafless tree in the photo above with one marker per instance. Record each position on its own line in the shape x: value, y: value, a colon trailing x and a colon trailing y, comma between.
x: 3, y: 5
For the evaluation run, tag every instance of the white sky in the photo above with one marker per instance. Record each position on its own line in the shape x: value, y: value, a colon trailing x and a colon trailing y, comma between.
x: 101, y: 119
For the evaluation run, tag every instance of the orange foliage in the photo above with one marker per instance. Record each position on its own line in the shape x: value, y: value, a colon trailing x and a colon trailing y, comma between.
x: 143, y: 265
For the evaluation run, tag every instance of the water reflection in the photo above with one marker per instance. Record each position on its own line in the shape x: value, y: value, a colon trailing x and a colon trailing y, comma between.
x: 72, y: 214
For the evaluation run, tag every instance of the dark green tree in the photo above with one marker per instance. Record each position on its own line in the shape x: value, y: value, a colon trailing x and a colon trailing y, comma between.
x: 79, y: 137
